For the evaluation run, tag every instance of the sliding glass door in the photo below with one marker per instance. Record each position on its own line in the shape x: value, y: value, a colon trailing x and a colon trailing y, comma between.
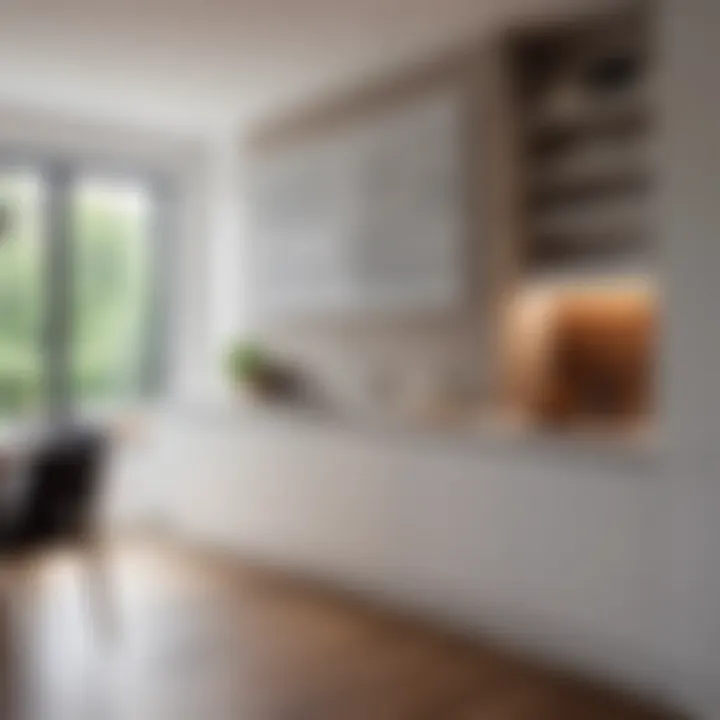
x: 23, y: 301
x: 80, y: 285
x: 112, y: 289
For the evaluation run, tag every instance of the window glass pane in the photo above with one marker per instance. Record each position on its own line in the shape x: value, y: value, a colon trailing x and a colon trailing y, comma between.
x: 22, y: 297
x: 111, y: 293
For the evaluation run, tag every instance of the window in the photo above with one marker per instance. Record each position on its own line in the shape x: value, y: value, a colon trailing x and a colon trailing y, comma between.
x: 80, y: 289
x: 22, y: 293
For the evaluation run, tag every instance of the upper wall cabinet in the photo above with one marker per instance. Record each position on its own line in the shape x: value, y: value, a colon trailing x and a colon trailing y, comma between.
x: 365, y: 217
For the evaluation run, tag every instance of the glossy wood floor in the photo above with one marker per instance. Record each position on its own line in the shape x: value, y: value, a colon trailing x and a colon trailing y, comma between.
x: 202, y: 639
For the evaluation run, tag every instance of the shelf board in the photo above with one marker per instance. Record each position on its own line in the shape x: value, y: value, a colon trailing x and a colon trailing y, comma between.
x: 588, y: 188
x: 546, y: 135
x: 579, y: 269
x: 624, y: 251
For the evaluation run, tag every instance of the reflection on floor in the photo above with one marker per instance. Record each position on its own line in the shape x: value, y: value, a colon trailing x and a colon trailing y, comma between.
x: 210, y: 639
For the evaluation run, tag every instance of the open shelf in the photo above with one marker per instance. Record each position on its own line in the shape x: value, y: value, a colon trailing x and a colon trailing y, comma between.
x: 584, y: 95
x: 581, y: 324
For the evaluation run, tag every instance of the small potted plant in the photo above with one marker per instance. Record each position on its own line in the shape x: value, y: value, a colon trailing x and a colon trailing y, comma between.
x: 251, y: 369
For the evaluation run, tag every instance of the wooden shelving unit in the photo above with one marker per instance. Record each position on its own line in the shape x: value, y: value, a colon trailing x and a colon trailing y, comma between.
x: 584, y: 93
x: 584, y: 299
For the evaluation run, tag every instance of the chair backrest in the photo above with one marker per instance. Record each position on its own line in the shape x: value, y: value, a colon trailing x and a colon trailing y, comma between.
x: 62, y: 485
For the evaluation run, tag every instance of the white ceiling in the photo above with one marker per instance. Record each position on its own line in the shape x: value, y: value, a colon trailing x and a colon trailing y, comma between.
x: 200, y: 64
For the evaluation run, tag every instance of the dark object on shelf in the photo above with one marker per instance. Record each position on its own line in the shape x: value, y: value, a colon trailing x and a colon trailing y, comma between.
x: 612, y: 73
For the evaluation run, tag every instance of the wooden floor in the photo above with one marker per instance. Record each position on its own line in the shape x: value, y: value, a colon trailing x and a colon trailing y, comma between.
x: 204, y: 640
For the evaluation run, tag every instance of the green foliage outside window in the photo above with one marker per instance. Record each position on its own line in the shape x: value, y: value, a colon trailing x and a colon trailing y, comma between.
x: 109, y: 297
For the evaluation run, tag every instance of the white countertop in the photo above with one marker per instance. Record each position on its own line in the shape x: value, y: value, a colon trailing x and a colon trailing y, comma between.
x: 635, y: 452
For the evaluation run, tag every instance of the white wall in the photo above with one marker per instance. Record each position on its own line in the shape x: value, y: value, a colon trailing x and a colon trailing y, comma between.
x: 229, y: 313
x: 690, y: 220
x: 611, y: 565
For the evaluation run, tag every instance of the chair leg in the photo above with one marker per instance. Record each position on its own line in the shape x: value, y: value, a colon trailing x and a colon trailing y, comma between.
x: 6, y: 647
x: 100, y: 591
x: 16, y: 576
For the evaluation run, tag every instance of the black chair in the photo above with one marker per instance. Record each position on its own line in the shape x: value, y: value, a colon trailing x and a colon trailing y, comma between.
x: 60, y: 489
x: 61, y: 479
